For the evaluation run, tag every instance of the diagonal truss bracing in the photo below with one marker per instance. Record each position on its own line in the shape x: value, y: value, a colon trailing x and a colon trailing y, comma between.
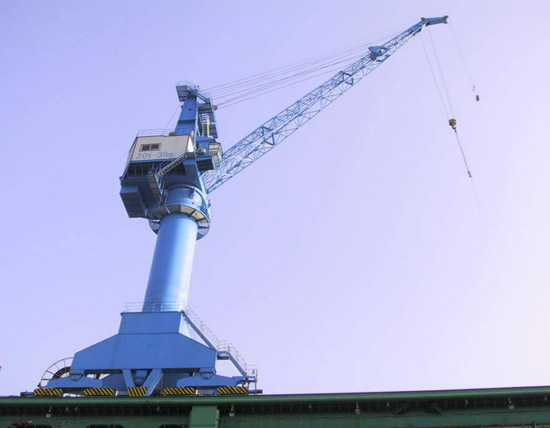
x: 271, y: 133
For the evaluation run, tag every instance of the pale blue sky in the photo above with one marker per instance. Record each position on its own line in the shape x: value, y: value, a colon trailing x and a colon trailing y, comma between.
x: 351, y: 258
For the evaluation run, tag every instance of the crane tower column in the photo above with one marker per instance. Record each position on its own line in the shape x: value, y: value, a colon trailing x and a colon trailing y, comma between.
x: 172, y: 263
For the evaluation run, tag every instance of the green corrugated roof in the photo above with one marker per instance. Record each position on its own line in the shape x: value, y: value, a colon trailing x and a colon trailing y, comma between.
x: 298, y: 398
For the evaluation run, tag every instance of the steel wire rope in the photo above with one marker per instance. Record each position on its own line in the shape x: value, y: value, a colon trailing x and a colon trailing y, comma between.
x: 447, y: 117
x: 171, y: 117
x: 450, y: 105
x: 280, y: 71
x: 298, y: 63
x: 343, y: 53
x: 459, y: 142
x: 265, y: 86
x: 474, y: 188
x: 241, y: 84
x: 241, y: 88
x: 436, y: 83
x: 441, y: 74
x: 279, y: 85
x: 463, y: 57
x: 344, y: 56
x: 276, y: 79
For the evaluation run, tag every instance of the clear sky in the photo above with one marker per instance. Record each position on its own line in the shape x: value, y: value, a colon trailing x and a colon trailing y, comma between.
x: 351, y: 258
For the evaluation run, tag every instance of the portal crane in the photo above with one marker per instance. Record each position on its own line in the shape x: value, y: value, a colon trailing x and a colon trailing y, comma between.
x: 162, y: 346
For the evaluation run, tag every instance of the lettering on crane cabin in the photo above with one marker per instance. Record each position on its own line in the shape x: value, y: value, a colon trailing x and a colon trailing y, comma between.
x: 152, y: 151
x: 161, y: 147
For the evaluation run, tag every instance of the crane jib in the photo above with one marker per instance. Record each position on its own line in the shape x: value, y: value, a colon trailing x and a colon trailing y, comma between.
x: 272, y: 132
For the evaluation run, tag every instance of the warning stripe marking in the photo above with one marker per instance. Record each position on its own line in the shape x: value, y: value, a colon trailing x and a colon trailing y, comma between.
x: 232, y: 390
x: 48, y: 392
x: 137, y: 391
x: 99, y: 392
x: 180, y: 390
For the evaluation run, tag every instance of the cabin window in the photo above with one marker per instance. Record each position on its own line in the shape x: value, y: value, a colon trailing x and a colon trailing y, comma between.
x: 149, y: 147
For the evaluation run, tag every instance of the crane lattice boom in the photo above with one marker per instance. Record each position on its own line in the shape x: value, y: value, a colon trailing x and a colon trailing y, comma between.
x: 271, y: 133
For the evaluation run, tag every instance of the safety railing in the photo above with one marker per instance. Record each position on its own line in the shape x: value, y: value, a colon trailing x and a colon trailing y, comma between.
x: 155, y: 132
x: 198, y: 325
x: 154, y: 307
x: 202, y: 327
x: 233, y: 352
x: 166, y: 167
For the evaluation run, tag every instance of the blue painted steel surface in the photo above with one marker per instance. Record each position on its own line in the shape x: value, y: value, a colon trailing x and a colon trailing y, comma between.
x: 187, y: 121
x: 149, y: 347
x: 172, y: 261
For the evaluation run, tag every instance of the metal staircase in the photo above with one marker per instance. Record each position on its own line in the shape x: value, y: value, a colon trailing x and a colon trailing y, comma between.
x: 225, y: 350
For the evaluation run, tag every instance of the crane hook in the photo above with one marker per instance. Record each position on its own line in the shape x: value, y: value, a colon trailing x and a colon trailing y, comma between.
x: 452, y: 123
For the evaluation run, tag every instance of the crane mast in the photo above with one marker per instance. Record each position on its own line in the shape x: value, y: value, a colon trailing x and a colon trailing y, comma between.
x: 162, y: 347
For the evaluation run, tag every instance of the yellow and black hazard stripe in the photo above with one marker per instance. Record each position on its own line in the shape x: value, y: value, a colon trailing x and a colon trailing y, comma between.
x: 48, y: 392
x: 137, y: 391
x: 232, y: 390
x: 99, y: 392
x: 180, y: 390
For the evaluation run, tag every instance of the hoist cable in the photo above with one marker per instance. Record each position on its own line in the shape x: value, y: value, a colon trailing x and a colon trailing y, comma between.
x: 463, y: 57
x: 462, y: 153
x: 171, y: 117
x: 468, y: 170
x: 441, y: 74
x: 436, y: 84
x: 448, y: 117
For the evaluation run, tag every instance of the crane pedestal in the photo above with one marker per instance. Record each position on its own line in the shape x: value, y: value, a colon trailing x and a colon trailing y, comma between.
x: 152, y: 352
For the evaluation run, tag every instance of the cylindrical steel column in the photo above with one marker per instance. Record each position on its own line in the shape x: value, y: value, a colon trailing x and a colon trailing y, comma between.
x: 172, y: 263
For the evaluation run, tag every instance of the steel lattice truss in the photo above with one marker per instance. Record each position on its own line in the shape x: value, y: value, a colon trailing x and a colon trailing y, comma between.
x: 271, y: 133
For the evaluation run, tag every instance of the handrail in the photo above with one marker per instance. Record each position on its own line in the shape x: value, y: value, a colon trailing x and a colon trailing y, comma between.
x: 155, y: 133
x: 197, y: 324
x: 175, y: 306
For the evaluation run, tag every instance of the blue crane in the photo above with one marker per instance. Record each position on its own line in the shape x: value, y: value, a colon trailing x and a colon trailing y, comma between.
x: 162, y: 346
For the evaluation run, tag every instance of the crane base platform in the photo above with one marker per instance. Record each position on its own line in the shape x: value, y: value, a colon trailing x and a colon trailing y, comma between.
x: 153, y: 354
